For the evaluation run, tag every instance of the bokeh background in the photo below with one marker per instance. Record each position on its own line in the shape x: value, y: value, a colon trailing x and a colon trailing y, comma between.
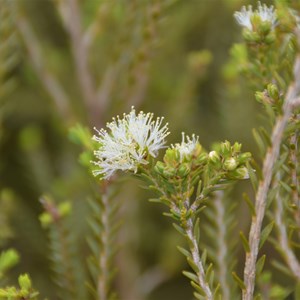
x: 63, y: 64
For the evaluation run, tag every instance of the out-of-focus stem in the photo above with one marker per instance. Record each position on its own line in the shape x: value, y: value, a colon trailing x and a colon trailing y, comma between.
x: 264, y: 185
x: 72, y: 21
x: 51, y: 85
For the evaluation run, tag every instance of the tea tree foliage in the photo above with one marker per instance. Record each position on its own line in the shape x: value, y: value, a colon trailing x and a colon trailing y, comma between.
x: 112, y: 63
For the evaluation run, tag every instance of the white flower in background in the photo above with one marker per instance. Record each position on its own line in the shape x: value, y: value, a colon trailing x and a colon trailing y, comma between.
x: 266, y: 14
x: 128, y: 143
x: 186, y: 148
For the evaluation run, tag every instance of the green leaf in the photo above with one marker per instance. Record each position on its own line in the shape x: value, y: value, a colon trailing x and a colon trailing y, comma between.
x: 260, y: 264
x: 184, y: 251
x: 239, y: 281
x: 259, y: 141
x: 245, y: 242
x: 179, y: 229
x: 197, y: 287
x: 190, y: 275
x: 250, y: 204
x: 192, y: 264
x: 209, y: 272
x: 265, y: 233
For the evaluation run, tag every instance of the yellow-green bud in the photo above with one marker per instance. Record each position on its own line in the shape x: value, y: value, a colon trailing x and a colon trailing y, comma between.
x: 230, y: 164
x: 45, y: 219
x: 24, y: 282
x: 64, y: 208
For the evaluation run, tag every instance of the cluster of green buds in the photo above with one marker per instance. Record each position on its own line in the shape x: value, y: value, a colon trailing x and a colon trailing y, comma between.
x: 24, y: 292
x: 229, y: 160
x: 182, y: 159
x: 270, y: 96
x: 259, y: 24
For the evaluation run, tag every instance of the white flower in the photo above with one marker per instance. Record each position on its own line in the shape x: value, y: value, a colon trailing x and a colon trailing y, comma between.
x: 186, y: 148
x: 128, y: 143
x: 266, y: 14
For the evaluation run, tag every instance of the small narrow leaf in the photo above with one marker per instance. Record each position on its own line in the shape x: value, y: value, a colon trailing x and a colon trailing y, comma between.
x: 259, y: 141
x: 204, y: 256
x: 184, y: 251
x: 190, y: 275
x: 249, y: 203
x: 179, y: 229
x: 260, y: 264
x: 192, y: 264
x: 239, y: 281
x: 197, y: 287
x: 209, y: 272
x: 265, y: 233
x: 245, y: 242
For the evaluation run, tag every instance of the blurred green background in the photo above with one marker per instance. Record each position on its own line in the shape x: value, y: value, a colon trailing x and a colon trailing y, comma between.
x: 168, y: 57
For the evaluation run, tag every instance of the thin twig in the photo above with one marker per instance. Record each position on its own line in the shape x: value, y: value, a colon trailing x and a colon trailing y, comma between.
x: 103, y: 278
x: 222, y: 245
x: 51, y: 85
x: 287, y: 252
x: 264, y: 185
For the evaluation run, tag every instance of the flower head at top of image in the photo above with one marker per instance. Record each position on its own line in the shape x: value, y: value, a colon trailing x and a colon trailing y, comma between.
x: 265, y: 13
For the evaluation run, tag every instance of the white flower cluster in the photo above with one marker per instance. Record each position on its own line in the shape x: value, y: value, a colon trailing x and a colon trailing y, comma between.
x: 128, y: 143
x: 266, y: 14
x: 186, y: 148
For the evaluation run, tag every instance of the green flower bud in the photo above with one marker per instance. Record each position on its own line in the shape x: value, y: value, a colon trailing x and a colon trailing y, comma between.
x: 273, y: 91
x: 230, y: 164
x: 259, y: 96
x: 25, y: 282
x: 237, y: 147
x: 244, y: 157
x: 214, y: 157
x: 225, y: 148
x: 184, y: 170
x: 240, y: 173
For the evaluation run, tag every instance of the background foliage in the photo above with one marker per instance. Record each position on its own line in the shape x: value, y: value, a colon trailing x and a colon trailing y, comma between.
x: 170, y: 57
